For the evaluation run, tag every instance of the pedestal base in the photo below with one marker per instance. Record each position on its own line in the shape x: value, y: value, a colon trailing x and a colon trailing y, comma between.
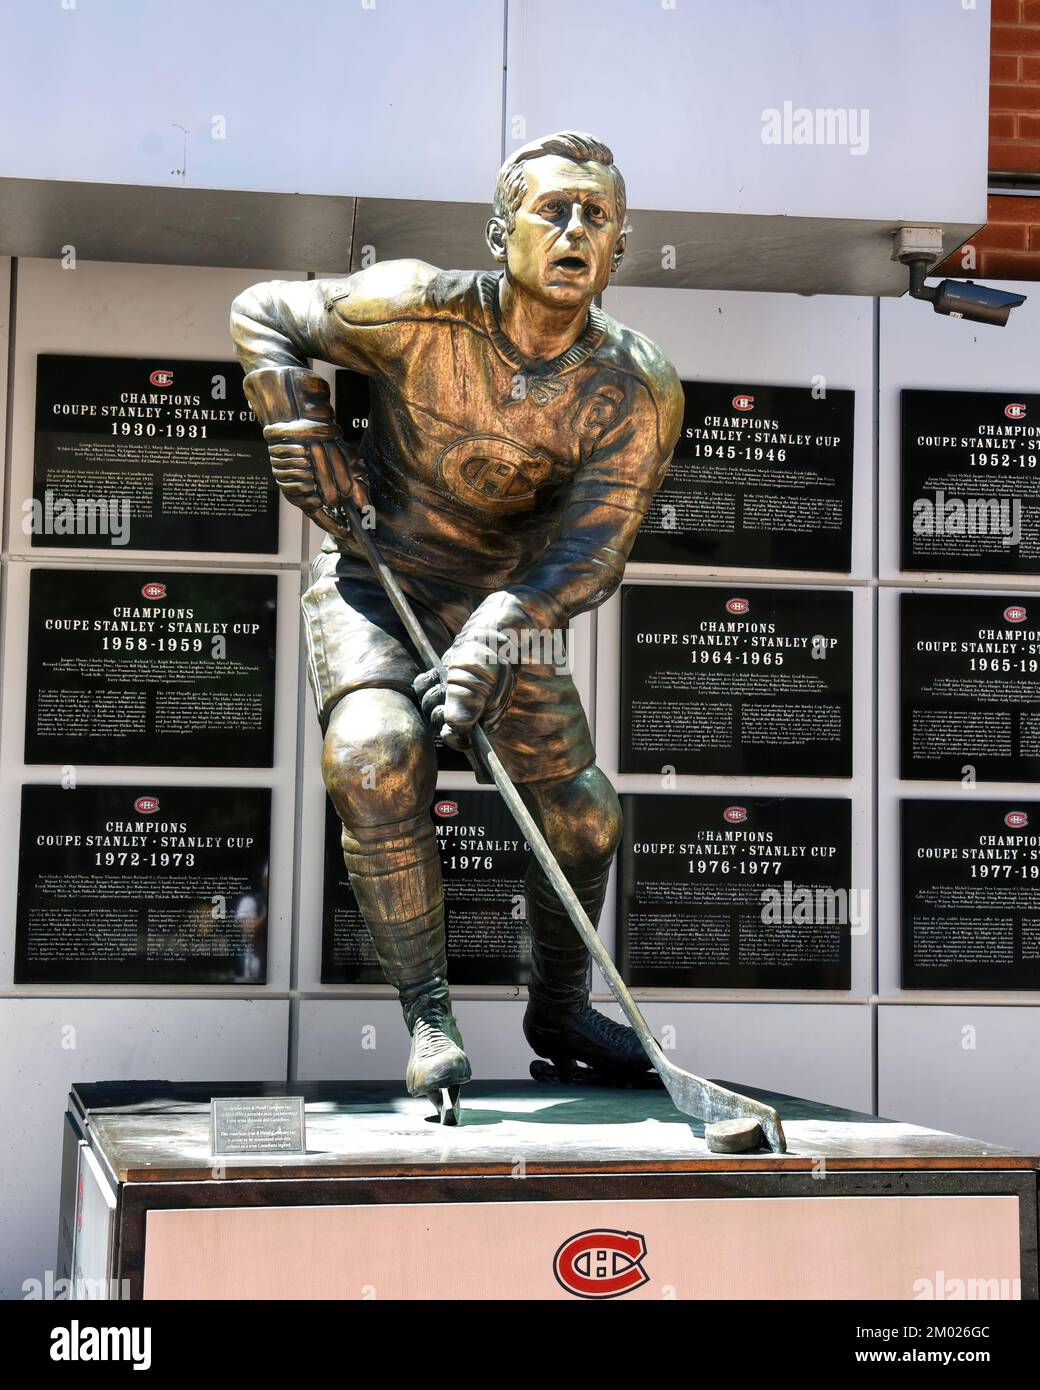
x: 542, y: 1192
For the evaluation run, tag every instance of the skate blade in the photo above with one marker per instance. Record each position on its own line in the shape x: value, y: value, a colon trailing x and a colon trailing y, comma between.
x: 447, y: 1104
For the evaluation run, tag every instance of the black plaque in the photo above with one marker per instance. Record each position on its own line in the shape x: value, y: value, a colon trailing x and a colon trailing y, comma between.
x: 151, y: 668
x: 738, y: 893
x: 736, y: 680
x: 168, y: 449
x: 970, y: 686
x: 970, y: 481
x: 761, y: 478
x: 484, y: 857
x: 143, y: 885
x: 971, y: 894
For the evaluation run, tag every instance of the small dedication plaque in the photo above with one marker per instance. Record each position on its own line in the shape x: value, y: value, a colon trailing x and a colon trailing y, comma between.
x: 257, y: 1125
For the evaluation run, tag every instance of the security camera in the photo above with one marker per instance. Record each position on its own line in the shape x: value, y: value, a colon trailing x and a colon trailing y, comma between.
x: 963, y: 299
x: 918, y: 248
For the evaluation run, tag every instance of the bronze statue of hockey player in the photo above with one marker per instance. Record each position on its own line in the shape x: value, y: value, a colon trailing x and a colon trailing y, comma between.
x: 517, y: 435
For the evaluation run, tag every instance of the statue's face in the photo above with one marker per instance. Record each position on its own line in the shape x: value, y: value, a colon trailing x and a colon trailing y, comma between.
x: 562, y: 245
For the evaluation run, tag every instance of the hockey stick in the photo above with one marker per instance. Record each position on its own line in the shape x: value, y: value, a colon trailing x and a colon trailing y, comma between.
x: 692, y: 1095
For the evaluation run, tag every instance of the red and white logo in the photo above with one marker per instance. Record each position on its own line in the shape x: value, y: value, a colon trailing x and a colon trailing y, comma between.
x: 1015, y: 410
x: 601, y: 1264
x: 738, y: 606
x: 1016, y: 820
x: 154, y: 590
x: 447, y: 808
x: 736, y: 815
x: 146, y: 805
x: 743, y: 402
x: 162, y: 376
x: 1015, y: 614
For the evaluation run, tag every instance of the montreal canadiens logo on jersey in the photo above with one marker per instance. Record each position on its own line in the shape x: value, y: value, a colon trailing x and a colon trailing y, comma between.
x: 1015, y: 410
x: 1015, y: 614
x: 146, y: 805
x: 601, y: 1264
x: 1016, y: 820
x: 493, y: 474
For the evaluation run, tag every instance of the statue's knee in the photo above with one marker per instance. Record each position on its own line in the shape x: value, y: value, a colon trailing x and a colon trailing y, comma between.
x: 581, y: 818
x: 378, y: 759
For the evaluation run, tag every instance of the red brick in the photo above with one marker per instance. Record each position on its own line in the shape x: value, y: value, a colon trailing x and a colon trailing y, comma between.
x: 1009, y: 265
x: 1002, y: 236
x: 1003, y: 67
x: 1030, y: 69
x: 1006, y: 11
x: 1002, y: 125
x: 1030, y: 12
x: 1034, y: 237
x: 1003, y: 97
x: 1004, y: 209
x: 1014, y: 156
x: 1007, y: 38
x: 1028, y: 127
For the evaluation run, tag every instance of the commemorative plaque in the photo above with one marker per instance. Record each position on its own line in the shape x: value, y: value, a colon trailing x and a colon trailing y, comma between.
x: 723, y: 680
x: 483, y: 859
x: 971, y: 894
x: 143, y: 885
x: 970, y: 692
x: 149, y: 453
x: 970, y: 463
x: 257, y: 1125
x: 761, y: 477
x: 743, y: 893
x: 149, y: 668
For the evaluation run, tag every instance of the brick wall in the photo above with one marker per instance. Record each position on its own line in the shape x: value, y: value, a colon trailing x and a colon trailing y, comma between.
x: 1008, y: 248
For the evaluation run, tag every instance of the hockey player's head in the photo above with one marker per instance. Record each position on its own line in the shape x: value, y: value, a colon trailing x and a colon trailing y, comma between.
x: 558, y: 223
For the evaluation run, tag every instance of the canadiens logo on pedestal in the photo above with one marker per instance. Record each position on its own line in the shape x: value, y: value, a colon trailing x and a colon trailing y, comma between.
x: 735, y: 815
x: 447, y: 808
x: 146, y: 805
x: 154, y: 590
x: 1016, y: 820
x: 1015, y: 410
x: 1015, y: 614
x: 162, y: 376
x: 601, y: 1264
x: 738, y: 606
x: 743, y: 402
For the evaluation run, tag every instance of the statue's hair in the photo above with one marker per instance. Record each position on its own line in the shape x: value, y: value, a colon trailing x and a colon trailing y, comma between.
x: 511, y: 183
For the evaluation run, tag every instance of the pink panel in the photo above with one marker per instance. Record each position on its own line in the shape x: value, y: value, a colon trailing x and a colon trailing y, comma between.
x: 797, y: 1247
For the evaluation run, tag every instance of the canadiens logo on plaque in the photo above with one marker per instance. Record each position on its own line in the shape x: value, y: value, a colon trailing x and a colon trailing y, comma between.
x: 1015, y: 614
x: 601, y: 1264
x: 738, y: 606
x: 161, y: 377
x: 735, y: 815
x: 1015, y: 410
x: 743, y: 402
x: 447, y: 808
x: 154, y: 590
x: 146, y: 805
x: 1016, y: 820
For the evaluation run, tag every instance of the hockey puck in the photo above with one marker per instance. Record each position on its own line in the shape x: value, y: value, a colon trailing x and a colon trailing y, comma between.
x: 733, y: 1136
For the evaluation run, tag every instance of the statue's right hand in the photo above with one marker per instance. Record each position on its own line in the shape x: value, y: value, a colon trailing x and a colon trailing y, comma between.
x: 310, y: 464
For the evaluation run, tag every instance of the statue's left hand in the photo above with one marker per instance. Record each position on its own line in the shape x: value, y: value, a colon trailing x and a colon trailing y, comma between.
x: 480, y: 667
